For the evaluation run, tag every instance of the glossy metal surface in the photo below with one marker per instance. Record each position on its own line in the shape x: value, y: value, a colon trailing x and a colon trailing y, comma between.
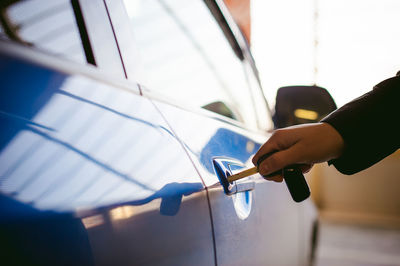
x: 94, y: 166
x: 91, y: 172
x: 184, y: 55
x: 241, y: 191
x: 223, y: 171
x: 124, y: 37
x: 101, y: 36
x: 269, y: 222
x: 50, y: 26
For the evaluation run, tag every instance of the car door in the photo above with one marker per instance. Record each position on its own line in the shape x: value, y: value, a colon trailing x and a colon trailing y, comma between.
x: 190, y: 68
x: 90, y: 171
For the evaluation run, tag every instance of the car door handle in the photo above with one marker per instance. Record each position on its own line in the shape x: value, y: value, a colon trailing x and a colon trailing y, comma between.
x: 245, y: 186
x: 224, y: 167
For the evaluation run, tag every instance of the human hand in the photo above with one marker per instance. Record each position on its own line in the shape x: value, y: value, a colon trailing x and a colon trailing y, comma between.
x: 303, y: 144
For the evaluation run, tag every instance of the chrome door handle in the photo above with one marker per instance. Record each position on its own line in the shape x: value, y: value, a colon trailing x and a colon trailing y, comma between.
x: 244, y: 186
x: 223, y: 168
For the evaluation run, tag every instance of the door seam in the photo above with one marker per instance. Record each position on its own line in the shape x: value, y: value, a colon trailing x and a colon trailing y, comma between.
x: 205, y: 187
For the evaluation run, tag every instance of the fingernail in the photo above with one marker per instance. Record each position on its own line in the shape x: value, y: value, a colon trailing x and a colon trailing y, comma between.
x: 263, y: 170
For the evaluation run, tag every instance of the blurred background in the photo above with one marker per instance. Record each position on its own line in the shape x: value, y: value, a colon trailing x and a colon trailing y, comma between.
x: 346, y: 47
x: 352, y: 44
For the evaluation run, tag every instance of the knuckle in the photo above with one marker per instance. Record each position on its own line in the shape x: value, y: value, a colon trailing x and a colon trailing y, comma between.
x: 263, y: 168
x: 278, y: 133
x: 274, y: 161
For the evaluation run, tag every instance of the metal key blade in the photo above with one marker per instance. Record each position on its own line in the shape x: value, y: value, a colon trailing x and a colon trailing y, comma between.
x: 243, y: 174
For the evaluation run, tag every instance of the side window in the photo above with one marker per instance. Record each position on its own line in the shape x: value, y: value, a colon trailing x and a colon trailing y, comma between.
x: 263, y: 113
x: 184, y: 54
x: 48, y: 25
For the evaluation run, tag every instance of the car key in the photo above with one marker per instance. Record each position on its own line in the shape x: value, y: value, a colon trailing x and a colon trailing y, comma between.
x: 293, y: 176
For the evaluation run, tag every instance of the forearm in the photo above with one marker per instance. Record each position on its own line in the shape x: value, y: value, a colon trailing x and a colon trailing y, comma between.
x: 368, y: 126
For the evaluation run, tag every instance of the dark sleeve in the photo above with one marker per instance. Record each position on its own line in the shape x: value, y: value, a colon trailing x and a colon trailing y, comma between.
x: 369, y: 126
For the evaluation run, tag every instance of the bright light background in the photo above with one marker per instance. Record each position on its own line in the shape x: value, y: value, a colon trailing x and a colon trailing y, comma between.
x: 359, y: 44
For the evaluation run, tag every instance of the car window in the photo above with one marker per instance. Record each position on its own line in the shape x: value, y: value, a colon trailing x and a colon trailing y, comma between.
x: 263, y: 113
x: 47, y: 25
x: 183, y: 53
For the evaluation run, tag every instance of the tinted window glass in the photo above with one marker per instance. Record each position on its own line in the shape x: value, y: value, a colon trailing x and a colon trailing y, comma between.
x: 47, y: 25
x: 184, y: 54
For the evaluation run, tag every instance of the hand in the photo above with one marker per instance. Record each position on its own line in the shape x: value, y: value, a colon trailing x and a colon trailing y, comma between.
x: 303, y: 144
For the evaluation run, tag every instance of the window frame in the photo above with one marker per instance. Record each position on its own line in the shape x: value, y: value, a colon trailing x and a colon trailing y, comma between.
x: 224, y: 20
x: 100, y: 47
x: 103, y: 42
x: 247, y: 56
x: 64, y: 65
x: 8, y: 26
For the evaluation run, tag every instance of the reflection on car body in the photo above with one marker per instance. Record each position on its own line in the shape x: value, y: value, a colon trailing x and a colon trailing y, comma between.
x: 106, y: 159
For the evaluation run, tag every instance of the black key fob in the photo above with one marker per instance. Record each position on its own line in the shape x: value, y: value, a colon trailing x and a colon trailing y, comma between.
x: 294, y: 179
x: 296, y: 183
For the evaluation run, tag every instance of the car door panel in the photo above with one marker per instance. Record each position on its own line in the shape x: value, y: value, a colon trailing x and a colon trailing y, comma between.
x: 271, y: 228
x: 91, y: 173
x: 184, y: 59
x: 94, y: 172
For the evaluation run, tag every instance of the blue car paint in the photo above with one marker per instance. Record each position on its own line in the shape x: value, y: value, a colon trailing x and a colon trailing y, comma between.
x: 249, y: 221
x: 14, y: 88
x: 44, y: 237
x: 206, y: 137
x: 37, y: 87
x: 50, y: 173
x: 226, y: 143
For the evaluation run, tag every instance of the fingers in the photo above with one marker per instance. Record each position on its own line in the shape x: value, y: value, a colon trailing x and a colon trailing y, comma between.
x: 280, y: 160
x: 276, y: 178
x: 281, y: 139
x: 303, y: 144
x: 270, y: 146
x: 305, y: 168
x: 265, y: 149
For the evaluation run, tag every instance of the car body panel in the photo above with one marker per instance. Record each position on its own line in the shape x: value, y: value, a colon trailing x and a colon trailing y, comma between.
x: 101, y: 159
x: 95, y: 169
x: 101, y: 37
x: 124, y: 37
x: 273, y: 222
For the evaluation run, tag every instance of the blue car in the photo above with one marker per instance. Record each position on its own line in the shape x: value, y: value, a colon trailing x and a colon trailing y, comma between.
x: 115, y: 116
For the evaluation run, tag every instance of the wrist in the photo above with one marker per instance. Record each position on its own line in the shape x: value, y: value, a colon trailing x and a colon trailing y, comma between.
x: 335, y: 142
